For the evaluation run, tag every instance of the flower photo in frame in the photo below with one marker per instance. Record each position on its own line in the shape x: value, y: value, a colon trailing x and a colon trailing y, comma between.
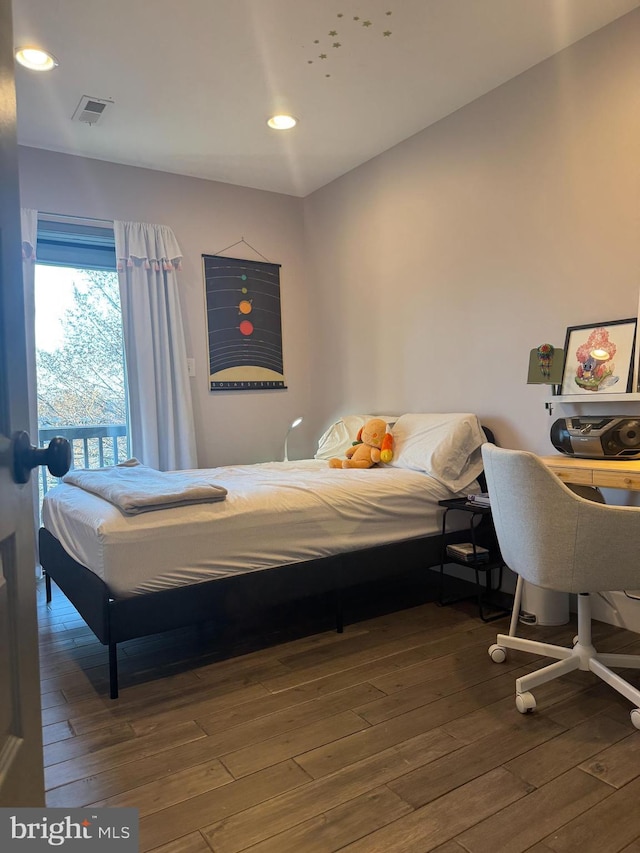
x: 599, y: 358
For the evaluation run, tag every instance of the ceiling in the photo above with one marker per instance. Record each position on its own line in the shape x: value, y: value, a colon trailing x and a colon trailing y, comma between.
x: 193, y: 81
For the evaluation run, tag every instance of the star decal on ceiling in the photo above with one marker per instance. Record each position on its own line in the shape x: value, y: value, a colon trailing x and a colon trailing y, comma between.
x: 348, y: 37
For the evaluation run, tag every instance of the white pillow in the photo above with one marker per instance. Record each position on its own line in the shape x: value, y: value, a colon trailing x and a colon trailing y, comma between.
x: 341, y: 435
x: 446, y: 446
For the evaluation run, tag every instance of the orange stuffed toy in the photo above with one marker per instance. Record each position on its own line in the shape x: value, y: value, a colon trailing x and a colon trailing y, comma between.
x: 374, y: 444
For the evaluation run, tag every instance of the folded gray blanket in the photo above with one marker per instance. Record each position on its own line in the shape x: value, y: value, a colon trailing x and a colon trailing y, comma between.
x: 134, y: 488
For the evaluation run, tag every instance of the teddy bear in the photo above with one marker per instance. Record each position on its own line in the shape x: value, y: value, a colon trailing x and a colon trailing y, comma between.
x: 373, y: 445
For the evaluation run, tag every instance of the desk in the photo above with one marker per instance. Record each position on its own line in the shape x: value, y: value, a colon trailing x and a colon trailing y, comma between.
x: 606, y: 473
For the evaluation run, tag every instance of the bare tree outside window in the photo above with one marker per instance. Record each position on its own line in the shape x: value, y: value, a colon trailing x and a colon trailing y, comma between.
x: 80, y: 364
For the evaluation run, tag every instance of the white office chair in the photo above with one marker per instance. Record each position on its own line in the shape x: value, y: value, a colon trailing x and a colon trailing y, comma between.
x: 557, y: 540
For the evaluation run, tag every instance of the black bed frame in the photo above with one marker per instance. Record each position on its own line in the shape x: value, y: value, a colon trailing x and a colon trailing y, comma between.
x: 114, y: 620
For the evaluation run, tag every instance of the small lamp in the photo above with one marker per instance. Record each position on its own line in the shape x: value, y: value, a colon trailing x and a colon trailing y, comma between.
x: 294, y: 424
x: 546, y: 363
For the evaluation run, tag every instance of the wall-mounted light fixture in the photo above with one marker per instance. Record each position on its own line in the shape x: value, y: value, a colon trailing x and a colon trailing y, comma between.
x: 294, y: 424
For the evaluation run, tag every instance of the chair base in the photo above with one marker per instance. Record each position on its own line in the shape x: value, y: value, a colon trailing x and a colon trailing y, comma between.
x: 582, y: 656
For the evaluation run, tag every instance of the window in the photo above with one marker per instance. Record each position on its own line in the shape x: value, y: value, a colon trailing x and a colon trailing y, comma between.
x: 79, y: 349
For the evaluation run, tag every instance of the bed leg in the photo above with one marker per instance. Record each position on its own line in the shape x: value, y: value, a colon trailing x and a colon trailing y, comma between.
x: 113, y: 671
x: 339, y: 612
x: 47, y: 587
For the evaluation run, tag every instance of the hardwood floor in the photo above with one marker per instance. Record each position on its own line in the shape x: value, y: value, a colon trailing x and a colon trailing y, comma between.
x: 398, y: 735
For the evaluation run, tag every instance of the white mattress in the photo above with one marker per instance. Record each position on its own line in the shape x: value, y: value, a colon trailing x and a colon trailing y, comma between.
x: 275, y: 513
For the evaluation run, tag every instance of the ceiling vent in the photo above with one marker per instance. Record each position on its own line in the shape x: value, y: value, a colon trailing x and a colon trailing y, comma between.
x: 90, y: 110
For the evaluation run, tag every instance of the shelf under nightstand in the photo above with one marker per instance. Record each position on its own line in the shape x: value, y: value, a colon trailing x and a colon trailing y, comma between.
x: 489, y: 597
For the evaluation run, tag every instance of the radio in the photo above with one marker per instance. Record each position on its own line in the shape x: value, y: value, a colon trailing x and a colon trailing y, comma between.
x: 595, y: 438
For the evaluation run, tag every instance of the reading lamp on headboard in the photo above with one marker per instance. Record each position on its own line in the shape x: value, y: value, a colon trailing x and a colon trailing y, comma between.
x: 294, y: 424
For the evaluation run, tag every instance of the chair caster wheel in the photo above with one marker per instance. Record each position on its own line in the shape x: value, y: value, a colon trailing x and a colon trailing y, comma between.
x: 498, y: 654
x: 635, y: 717
x: 525, y: 703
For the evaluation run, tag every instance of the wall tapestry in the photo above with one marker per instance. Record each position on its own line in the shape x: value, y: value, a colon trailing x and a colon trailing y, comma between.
x: 244, y: 326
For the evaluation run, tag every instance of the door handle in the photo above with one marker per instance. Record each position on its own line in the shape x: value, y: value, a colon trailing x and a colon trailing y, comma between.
x: 57, y: 457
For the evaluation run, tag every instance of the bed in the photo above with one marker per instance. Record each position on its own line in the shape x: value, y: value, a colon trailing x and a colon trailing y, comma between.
x: 285, y: 531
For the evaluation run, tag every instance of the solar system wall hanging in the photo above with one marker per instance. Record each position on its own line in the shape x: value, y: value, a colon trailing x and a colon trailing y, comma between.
x: 244, y: 326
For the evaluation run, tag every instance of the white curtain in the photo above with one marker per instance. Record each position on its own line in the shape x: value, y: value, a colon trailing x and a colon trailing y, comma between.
x: 29, y: 228
x: 160, y: 411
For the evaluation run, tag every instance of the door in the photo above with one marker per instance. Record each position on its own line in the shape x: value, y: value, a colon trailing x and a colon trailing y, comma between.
x: 21, y: 776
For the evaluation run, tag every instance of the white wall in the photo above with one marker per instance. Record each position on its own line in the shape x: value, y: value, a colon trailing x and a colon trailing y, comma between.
x: 441, y: 263
x: 429, y: 272
x: 206, y: 217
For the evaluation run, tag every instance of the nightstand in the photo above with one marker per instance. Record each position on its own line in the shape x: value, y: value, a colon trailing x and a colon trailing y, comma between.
x: 492, y: 603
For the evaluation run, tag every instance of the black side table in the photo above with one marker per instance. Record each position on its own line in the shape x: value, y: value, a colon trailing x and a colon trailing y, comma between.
x: 492, y: 603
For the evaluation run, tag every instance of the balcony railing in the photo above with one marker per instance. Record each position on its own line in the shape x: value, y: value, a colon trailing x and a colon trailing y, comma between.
x: 91, y: 447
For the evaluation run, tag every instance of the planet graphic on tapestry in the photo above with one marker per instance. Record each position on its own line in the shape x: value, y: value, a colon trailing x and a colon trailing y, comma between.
x: 243, y: 324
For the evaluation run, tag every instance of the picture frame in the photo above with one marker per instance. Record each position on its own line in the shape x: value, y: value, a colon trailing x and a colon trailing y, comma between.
x: 599, y: 358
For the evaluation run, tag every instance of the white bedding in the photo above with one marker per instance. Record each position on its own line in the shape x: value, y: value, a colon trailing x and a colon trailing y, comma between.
x: 275, y: 513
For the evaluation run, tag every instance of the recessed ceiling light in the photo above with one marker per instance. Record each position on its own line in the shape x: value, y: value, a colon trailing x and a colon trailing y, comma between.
x: 35, y: 58
x: 282, y: 122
